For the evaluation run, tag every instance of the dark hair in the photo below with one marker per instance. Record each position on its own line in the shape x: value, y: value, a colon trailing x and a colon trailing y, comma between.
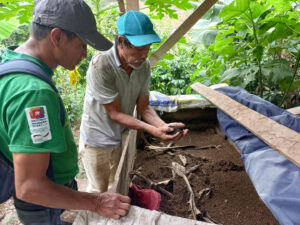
x: 123, y: 39
x: 40, y: 32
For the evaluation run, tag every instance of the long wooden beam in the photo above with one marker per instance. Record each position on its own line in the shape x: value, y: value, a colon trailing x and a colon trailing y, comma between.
x: 181, y: 30
x: 279, y: 137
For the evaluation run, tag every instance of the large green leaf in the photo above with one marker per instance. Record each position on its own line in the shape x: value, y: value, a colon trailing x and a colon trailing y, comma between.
x: 21, y: 10
x: 6, y: 27
x: 284, y: 84
x: 276, y: 70
x: 223, y: 33
x: 206, y: 37
x: 213, y: 13
x: 205, y: 31
x: 229, y: 74
x: 236, y: 8
x: 280, y: 5
x: 225, y: 47
x: 281, y: 31
x: 258, y: 9
x: 166, y: 7
x: 246, y: 75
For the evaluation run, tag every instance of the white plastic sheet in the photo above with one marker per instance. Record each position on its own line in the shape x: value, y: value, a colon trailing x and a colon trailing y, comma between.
x: 136, y: 216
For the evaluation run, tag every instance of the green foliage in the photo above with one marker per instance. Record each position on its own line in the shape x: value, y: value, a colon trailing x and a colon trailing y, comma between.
x: 17, y: 37
x: 6, y: 27
x: 20, y: 10
x: 106, y: 18
x: 253, y: 44
x: 209, y: 66
x: 171, y: 75
x: 234, y: 9
x: 166, y: 7
x: 73, y: 97
x: 257, y: 44
x: 205, y: 30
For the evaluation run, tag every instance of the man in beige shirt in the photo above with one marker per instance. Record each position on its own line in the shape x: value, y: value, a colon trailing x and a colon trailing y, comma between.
x: 117, y: 80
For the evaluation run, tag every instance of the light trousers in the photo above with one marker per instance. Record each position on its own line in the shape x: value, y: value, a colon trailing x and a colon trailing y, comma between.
x: 100, y: 165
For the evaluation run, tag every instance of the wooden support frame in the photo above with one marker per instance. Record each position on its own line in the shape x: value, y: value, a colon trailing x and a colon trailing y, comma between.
x: 277, y: 136
x: 122, y: 179
x: 132, y: 4
x: 181, y: 30
x: 121, y: 7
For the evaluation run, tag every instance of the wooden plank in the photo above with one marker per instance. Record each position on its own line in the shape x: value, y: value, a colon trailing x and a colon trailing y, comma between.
x: 279, y: 137
x: 295, y: 110
x: 122, y: 180
x: 181, y: 30
x: 132, y: 4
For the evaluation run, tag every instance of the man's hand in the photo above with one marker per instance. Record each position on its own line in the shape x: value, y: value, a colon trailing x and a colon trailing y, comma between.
x: 112, y: 205
x: 161, y: 132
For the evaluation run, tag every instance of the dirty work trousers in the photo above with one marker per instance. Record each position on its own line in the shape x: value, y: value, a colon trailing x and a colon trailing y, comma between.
x: 100, y: 165
x: 31, y: 214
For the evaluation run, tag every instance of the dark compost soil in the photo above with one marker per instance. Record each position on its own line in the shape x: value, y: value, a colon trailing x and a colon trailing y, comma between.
x: 228, y: 195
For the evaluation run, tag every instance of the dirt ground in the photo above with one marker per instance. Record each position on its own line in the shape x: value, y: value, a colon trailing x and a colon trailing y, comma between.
x: 228, y: 196
x: 221, y: 186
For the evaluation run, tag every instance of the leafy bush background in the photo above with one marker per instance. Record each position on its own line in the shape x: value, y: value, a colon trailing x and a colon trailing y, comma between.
x: 253, y: 44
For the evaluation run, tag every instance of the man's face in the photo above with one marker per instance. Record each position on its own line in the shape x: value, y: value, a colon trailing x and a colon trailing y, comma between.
x: 72, y: 52
x: 134, y: 56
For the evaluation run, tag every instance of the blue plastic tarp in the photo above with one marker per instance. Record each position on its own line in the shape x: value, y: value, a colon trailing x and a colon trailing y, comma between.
x: 275, y: 178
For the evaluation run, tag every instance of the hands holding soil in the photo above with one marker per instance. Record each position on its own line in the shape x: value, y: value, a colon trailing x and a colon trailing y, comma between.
x: 112, y: 205
x: 172, y: 131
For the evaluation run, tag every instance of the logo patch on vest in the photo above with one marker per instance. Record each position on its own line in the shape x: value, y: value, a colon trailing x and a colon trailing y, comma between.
x: 38, y: 122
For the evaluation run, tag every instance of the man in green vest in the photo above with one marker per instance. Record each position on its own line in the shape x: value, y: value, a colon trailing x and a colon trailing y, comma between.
x: 31, y: 133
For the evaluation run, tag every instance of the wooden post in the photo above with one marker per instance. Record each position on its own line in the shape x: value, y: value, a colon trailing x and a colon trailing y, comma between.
x: 121, y: 7
x: 181, y: 30
x: 132, y: 4
x: 122, y: 180
x: 286, y: 141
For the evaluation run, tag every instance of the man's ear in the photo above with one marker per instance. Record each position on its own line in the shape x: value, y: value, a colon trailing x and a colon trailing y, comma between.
x: 56, y: 36
x: 120, y: 41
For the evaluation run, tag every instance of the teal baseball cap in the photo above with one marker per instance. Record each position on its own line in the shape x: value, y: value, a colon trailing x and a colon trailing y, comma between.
x: 137, y: 28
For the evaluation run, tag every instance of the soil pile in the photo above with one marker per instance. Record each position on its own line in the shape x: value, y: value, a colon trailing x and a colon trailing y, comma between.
x: 221, y: 187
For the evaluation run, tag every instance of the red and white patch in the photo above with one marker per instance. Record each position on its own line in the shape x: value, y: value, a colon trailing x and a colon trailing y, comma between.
x: 38, y: 122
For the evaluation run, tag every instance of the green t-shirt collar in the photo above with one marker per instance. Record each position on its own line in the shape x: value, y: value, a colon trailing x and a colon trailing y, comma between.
x: 10, y: 54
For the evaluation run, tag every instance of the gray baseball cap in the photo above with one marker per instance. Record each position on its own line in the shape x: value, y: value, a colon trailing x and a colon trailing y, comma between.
x: 71, y: 15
